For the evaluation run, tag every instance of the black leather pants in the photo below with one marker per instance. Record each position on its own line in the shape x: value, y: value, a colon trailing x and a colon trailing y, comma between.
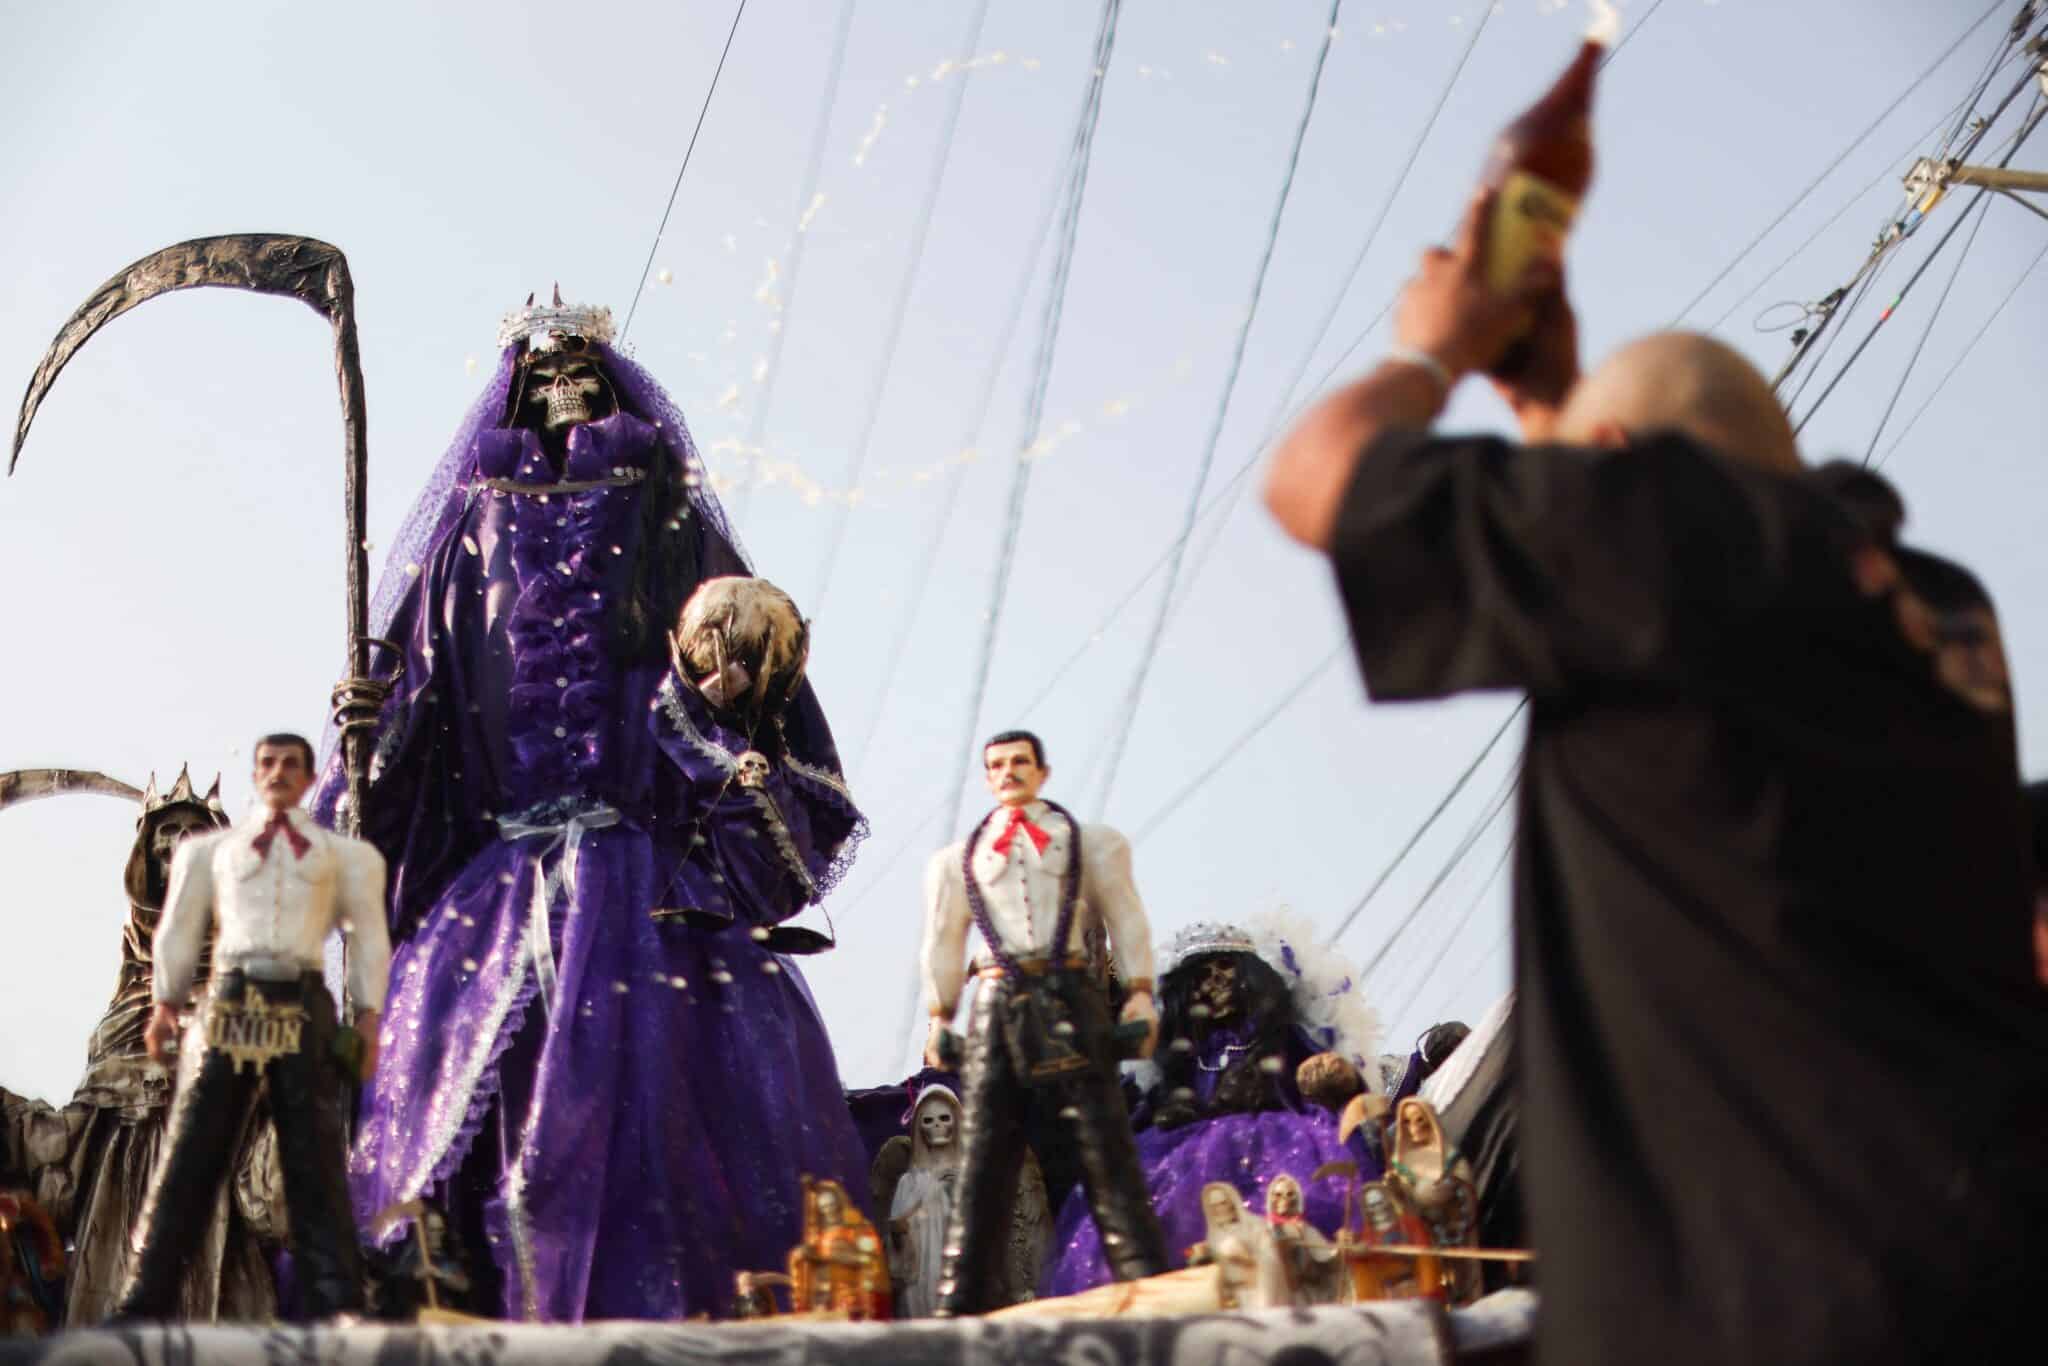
x: 1079, y: 1112
x: 308, y: 1096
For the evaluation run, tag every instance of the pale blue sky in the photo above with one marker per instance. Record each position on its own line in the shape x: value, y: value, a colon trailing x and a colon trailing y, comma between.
x: 173, y: 539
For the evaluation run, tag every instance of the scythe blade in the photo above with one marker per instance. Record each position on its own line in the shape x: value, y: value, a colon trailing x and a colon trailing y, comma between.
x: 315, y: 273
x: 32, y: 784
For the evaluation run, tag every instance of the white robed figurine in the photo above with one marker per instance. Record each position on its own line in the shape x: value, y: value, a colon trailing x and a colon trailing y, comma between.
x: 924, y: 1201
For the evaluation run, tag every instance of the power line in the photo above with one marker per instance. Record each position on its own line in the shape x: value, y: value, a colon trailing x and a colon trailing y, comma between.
x: 921, y: 579
x: 1983, y: 211
x: 1964, y: 355
x: 1895, y: 233
x: 1150, y: 651
x: 1443, y: 804
x: 956, y: 97
x: 807, y: 197
x: 669, y: 208
x: 1494, y: 808
x: 2033, y: 120
x: 1084, y: 142
x: 1034, y: 414
x: 1286, y: 409
x: 1890, y: 171
x: 1443, y: 951
x: 1633, y: 30
x: 1840, y: 157
x: 1230, y: 751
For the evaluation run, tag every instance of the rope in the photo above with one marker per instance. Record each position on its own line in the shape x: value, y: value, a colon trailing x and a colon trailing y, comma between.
x: 1150, y: 651
x: 1427, y: 821
x: 956, y: 96
x: 1956, y: 364
x: 669, y: 208
x: 757, y: 429
x: 1983, y: 211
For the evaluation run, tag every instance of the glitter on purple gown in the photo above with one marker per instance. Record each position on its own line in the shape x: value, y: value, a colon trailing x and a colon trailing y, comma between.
x: 620, y: 1104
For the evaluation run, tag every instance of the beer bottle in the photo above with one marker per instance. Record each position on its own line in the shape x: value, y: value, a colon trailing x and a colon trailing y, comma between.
x: 1540, y: 169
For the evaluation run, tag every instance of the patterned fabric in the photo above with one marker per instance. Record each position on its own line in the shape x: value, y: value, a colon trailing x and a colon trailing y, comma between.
x: 1394, y: 1333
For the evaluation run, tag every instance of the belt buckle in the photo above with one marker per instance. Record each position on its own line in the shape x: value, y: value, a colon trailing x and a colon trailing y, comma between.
x: 255, y: 1030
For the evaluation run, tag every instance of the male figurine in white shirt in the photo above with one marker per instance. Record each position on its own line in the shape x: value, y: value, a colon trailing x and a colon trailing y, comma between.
x: 1041, y: 1061
x: 271, y: 886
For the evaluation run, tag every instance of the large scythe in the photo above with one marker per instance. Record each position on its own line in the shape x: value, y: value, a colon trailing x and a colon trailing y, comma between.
x: 316, y: 274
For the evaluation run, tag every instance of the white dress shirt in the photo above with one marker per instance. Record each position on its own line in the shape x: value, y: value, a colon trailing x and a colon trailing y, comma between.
x: 276, y: 905
x: 1022, y: 891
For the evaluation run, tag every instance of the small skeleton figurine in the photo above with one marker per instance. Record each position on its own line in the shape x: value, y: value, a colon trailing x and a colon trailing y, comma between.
x: 1308, y: 1260
x: 1434, y: 1182
x: 1041, y: 1065
x: 923, y: 1201
x: 840, y: 1269
x: 89, y: 1162
x: 271, y: 887
x: 1249, y: 1270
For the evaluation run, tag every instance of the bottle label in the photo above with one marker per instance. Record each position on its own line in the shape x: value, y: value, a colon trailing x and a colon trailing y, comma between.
x: 1530, y: 219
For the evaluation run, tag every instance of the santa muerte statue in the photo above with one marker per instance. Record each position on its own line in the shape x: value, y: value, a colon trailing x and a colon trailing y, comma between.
x: 89, y: 1162
x: 1242, y: 1010
x: 598, y: 809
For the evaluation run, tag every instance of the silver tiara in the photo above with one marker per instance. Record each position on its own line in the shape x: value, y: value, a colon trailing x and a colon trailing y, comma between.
x: 1204, y: 936
x: 543, y: 326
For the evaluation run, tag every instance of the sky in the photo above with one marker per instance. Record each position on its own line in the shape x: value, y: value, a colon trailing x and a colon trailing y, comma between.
x: 174, y: 537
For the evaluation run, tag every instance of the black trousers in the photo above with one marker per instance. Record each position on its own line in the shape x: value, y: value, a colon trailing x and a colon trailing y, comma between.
x: 308, y: 1100
x: 1011, y: 1098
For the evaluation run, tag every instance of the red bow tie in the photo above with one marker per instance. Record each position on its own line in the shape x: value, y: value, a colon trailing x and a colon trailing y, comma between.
x: 1018, y: 820
x: 279, y: 822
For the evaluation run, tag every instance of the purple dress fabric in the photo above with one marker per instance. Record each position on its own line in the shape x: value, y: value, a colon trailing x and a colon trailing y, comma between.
x: 1246, y: 1149
x: 623, y: 1102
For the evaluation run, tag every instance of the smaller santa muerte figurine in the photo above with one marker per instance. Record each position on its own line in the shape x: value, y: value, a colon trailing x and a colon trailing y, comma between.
x: 1042, y: 1052
x: 88, y: 1163
x: 271, y: 887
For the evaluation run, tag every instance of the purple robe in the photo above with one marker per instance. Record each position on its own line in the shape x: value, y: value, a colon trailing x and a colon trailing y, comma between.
x: 1245, y: 1149
x: 620, y: 1099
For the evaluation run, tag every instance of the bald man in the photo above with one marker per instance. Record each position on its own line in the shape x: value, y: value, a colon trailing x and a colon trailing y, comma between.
x: 1784, y: 1066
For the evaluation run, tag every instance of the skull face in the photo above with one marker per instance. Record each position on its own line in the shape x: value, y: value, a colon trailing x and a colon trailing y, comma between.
x: 170, y: 828
x: 563, y: 390
x: 1416, y: 1124
x: 828, y: 1208
x: 753, y: 769
x: 1283, y: 1197
x: 935, y: 1123
x: 1217, y: 989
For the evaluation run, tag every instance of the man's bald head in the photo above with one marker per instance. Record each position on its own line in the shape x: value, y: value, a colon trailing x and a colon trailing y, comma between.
x: 1684, y: 382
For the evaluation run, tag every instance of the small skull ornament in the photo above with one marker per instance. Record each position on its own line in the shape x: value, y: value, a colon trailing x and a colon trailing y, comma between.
x: 173, y: 827
x: 936, y: 1124
x: 753, y: 770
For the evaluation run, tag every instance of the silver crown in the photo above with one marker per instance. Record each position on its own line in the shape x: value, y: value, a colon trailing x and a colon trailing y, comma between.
x: 543, y: 326
x: 1204, y: 936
